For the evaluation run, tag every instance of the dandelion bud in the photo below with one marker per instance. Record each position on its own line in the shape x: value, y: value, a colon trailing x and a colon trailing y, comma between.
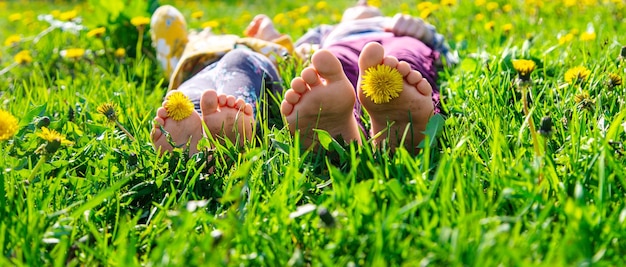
x: 545, y: 128
x: 217, y: 236
x: 43, y: 122
x: 326, y: 217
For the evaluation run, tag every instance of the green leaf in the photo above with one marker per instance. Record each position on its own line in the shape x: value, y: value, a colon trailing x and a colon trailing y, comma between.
x: 329, y: 143
x: 433, y: 128
x: 31, y: 114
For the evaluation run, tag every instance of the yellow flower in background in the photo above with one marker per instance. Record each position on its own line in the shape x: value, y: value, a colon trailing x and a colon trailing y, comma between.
x: 73, y: 53
x: 197, y: 15
x: 506, y: 28
x: 120, y: 52
x: 97, y: 32
x: 587, y: 36
x: 178, y: 106
x: 448, y: 2
x: 577, y: 74
x: 211, y: 24
x: 321, y: 5
x: 280, y: 19
x: 491, y: 6
x: 53, y: 136
x: 375, y: 3
x: 507, y: 8
x: 23, y: 57
x: 303, y: 23
x: 12, y: 40
x: 140, y: 21
x: 566, y: 38
x: 55, y: 13
x: 108, y: 110
x: 404, y: 8
x: 424, y: 6
x: 68, y: 15
x: 382, y: 83
x: 479, y: 17
x: 424, y: 14
x: 524, y: 68
x: 480, y: 2
x: 8, y: 125
x: 15, y: 17
x: 490, y: 25
x: 614, y: 80
x: 304, y: 9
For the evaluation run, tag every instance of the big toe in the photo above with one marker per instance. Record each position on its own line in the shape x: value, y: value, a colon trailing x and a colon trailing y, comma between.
x: 209, y: 102
x: 328, y: 66
x: 372, y: 55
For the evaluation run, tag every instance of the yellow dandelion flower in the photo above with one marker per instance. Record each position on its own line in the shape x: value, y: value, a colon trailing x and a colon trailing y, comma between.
x: 566, y: 38
x: 12, y: 40
x: 15, y: 17
x: 140, y: 21
x: 108, y: 110
x: 479, y: 17
x: 304, y: 9
x: 120, y: 52
x: 374, y: 3
x: 577, y: 74
x: 68, y: 15
x: 97, y: 32
x: 490, y: 25
x: 321, y: 5
x: 55, y: 13
x: 584, y: 101
x: 507, y: 8
x: 197, y: 15
x: 280, y: 19
x: 491, y: 6
x: 424, y: 14
x: 614, y: 80
x: 424, y: 5
x: 480, y: 2
x: 72, y: 53
x: 303, y: 23
x: 178, y: 106
x: 23, y: 57
x: 448, y: 2
x: 404, y: 8
x: 53, y: 136
x: 381, y: 83
x: 211, y: 24
x: 524, y: 68
x: 507, y: 27
x: 588, y: 36
x: 8, y: 125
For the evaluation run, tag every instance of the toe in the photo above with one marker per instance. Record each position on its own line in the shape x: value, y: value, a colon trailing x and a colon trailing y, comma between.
x: 230, y: 101
x: 209, y: 102
x: 292, y: 97
x: 247, y: 109
x: 239, y: 103
x: 391, y: 61
x: 310, y: 77
x: 371, y: 55
x: 222, y: 100
x: 299, y: 85
x: 286, y: 108
x: 424, y: 87
x: 161, y: 113
x: 414, y: 77
x: 404, y: 68
x: 328, y: 66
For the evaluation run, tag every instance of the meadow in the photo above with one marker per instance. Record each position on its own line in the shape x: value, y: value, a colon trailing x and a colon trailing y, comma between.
x: 524, y: 167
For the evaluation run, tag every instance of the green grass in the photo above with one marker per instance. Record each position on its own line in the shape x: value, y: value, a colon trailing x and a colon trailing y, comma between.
x: 483, y: 195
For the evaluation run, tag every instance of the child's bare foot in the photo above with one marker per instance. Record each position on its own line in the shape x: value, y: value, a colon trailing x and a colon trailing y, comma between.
x: 262, y: 27
x: 227, y: 117
x: 321, y: 98
x: 181, y: 132
x: 412, y: 107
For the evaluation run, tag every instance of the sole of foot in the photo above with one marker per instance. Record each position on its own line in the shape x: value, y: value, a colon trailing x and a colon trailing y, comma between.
x: 321, y: 98
x: 409, y: 112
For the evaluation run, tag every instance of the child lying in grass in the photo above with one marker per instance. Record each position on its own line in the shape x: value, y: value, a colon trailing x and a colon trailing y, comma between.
x: 385, y: 65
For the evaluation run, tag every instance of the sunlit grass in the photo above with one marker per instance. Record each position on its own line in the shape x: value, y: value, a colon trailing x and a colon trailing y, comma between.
x: 500, y: 185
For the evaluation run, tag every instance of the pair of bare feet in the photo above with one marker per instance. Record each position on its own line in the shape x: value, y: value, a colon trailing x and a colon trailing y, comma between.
x: 321, y: 98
